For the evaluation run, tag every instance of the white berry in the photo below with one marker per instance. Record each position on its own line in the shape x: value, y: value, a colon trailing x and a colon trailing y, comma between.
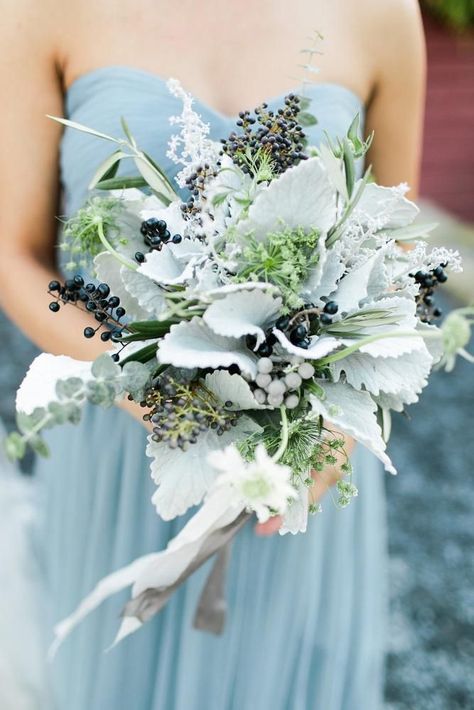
x: 263, y: 380
x: 293, y: 380
x: 274, y: 400
x: 292, y: 401
x: 265, y: 365
x: 306, y: 370
x: 276, y: 387
x: 260, y: 396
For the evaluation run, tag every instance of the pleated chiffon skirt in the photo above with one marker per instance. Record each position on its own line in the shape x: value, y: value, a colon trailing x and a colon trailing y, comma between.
x: 306, y: 619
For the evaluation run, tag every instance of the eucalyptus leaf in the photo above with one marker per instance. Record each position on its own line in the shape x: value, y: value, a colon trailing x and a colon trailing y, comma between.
x: 143, y: 355
x: 102, y: 393
x: 14, y: 446
x: 135, y: 377
x: 150, y: 329
x: 39, y: 446
x: 305, y: 103
x: 108, y: 168
x: 105, y: 368
x: 126, y: 130
x: 83, y: 129
x: 349, y: 165
x: 122, y: 183
x: 155, y: 180
x: 65, y: 389
x: 307, y: 119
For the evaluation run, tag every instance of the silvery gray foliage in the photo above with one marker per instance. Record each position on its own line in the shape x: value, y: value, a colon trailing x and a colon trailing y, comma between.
x: 103, y: 384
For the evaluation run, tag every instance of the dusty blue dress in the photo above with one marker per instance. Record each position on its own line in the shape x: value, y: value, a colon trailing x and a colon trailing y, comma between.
x: 306, y: 613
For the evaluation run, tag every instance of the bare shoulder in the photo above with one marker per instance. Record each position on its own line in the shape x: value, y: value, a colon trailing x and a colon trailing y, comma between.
x: 394, y: 30
x: 29, y: 31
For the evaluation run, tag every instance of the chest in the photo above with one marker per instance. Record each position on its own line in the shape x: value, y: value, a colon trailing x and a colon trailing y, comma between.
x: 232, y: 54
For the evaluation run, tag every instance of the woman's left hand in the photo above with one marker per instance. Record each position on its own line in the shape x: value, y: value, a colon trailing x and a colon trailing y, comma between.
x: 322, y: 481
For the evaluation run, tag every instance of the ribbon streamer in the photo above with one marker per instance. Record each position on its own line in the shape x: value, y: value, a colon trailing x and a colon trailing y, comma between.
x: 210, y: 613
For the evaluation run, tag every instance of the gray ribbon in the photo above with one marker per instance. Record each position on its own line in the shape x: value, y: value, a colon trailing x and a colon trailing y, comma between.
x: 211, y: 609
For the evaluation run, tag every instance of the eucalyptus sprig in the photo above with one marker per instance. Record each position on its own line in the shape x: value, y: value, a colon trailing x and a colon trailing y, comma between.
x: 152, y: 175
x: 107, y: 383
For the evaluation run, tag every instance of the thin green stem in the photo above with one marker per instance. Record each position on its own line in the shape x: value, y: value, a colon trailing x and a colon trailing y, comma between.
x: 284, y: 435
x: 122, y: 259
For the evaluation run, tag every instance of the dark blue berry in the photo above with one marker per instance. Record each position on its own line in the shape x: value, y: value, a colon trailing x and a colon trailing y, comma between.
x: 103, y: 290
x: 265, y: 350
x: 54, y: 286
x: 331, y: 307
x: 283, y: 322
x: 54, y: 306
x: 114, y: 301
x: 120, y: 312
x: 89, y: 332
x: 139, y: 257
x: 251, y: 341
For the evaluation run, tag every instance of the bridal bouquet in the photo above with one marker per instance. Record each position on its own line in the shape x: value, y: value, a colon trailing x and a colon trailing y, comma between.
x: 255, y: 314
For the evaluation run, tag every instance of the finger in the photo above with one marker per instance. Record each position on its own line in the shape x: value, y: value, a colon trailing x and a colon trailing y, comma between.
x: 271, y: 527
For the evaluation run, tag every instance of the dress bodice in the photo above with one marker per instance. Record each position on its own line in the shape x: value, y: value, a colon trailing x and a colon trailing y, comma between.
x: 99, y: 99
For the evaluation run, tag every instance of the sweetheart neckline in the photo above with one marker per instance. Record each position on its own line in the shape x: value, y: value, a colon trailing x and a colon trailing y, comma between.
x: 87, y: 76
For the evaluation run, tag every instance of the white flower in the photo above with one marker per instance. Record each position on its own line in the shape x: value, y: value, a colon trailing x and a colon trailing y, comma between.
x: 261, y: 485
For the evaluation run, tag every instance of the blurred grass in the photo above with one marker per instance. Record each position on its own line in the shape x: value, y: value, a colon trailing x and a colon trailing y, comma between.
x: 456, y: 13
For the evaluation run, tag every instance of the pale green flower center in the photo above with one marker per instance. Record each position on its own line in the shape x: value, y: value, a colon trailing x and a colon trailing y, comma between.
x: 256, y: 488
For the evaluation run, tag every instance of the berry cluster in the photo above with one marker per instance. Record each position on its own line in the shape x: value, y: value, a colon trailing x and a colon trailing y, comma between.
x: 196, y: 183
x: 298, y: 328
x: 428, y: 280
x: 155, y: 234
x: 275, y: 386
x: 278, y: 134
x: 96, y: 300
x: 180, y: 412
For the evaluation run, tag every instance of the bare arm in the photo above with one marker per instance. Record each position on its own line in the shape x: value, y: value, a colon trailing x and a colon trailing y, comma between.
x: 396, y: 108
x: 31, y: 88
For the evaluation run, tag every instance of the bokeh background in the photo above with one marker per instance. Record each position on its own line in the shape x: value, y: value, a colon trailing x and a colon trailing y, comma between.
x: 430, y: 504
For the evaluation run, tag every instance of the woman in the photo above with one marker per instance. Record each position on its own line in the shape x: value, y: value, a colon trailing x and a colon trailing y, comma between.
x: 306, y: 613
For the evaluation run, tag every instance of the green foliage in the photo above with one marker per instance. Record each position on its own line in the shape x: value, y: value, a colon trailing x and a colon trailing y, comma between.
x: 456, y: 13
x: 284, y: 259
x: 81, y: 233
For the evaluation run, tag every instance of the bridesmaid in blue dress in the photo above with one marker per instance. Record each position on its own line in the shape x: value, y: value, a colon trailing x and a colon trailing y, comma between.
x: 306, y: 620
